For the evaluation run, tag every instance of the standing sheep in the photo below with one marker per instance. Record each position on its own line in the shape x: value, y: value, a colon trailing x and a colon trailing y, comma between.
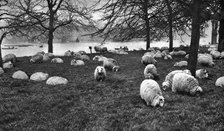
x: 150, y: 72
x: 148, y: 59
x: 100, y: 73
x: 151, y: 93
x: 169, y: 78
x: 111, y: 64
x: 183, y: 82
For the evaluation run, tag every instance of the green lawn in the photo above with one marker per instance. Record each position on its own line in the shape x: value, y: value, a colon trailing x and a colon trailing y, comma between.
x: 115, y: 104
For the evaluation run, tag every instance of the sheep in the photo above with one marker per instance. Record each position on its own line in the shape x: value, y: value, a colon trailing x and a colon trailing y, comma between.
x: 1, y: 71
x: 169, y: 78
x: 85, y: 57
x: 68, y: 53
x: 178, y: 53
x: 46, y: 58
x: 146, y: 59
x: 222, y: 55
x: 201, y: 73
x: 150, y: 53
x: 150, y: 72
x: 183, y: 82
x: 99, y: 58
x: 205, y: 59
x: 100, y: 49
x: 57, y: 60
x: 151, y: 93
x: 56, y: 80
x: 215, y: 54
x: 77, y: 55
x: 100, y: 73
x: 7, y: 65
x: 37, y: 58
x: 39, y: 76
x: 49, y: 55
x: 111, y: 64
x: 167, y: 57
x: 180, y: 63
x: 20, y: 75
x: 9, y: 57
x: 158, y: 54
x: 77, y: 62
x: 220, y: 82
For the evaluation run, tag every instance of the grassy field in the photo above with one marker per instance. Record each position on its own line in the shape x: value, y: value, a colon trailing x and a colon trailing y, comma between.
x: 115, y: 104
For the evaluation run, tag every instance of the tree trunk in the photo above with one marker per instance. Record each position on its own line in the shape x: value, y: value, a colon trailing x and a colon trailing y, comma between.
x: 51, y: 33
x: 1, y: 39
x: 170, y: 17
x: 195, y: 36
x: 145, y: 8
x: 214, y: 32
x: 221, y: 29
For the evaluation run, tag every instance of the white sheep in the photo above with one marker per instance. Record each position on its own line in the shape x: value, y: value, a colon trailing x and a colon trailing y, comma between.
x: 99, y: 58
x: 201, y: 73
x: 150, y: 72
x: 1, y: 70
x: 9, y: 57
x: 220, y: 82
x: 77, y: 62
x: 169, y: 78
x: 7, y: 65
x: 57, y: 60
x: 46, y: 58
x: 39, y: 76
x: 180, y: 63
x: 222, y: 55
x: 20, y: 75
x: 167, y: 57
x: 215, y: 54
x: 56, y: 80
x: 205, y: 59
x: 151, y: 93
x: 100, y: 73
x: 68, y: 53
x: 85, y: 57
x: 183, y: 82
x: 147, y: 59
x: 111, y: 64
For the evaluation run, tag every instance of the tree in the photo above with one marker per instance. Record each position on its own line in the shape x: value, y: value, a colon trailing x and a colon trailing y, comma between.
x: 195, y: 36
x: 221, y: 27
x: 54, y: 14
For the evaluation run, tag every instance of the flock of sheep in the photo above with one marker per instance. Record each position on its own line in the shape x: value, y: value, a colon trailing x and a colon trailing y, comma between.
x: 150, y: 90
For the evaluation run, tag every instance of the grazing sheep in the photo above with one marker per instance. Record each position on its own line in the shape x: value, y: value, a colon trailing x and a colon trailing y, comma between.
x: 146, y: 59
x: 150, y: 72
x: 180, y: 63
x: 111, y: 64
x: 100, y: 49
x: 150, y: 53
x: 220, y: 82
x: 38, y: 58
x: 39, y: 76
x: 77, y: 62
x: 169, y: 78
x: 1, y: 71
x: 20, y: 75
x: 151, y: 93
x: 205, y: 59
x: 201, y: 73
x: 183, y: 82
x: 168, y: 57
x: 9, y: 57
x: 100, y: 73
x: 7, y: 65
x: 56, y: 80
x: 57, y: 60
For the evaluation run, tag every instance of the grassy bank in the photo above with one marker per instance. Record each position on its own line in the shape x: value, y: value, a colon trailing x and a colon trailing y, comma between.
x: 115, y: 104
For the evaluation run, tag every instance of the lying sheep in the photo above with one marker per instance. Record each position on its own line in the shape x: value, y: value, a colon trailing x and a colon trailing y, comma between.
x: 150, y: 72
x: 9, y: 57
x: 56, y: 80
x: 39, y: 76
x: 38, y: 58
x: 99, y: 58
x: 77, y: 62
x: 111, y: 64
x: 201, y: 73
x: 85, y: 57
x: 147, y: 59
x: 168, y: 57
x: 100, y: 73
x: 183, y: 82
x: 1, y: 70
x: 7, y: 65
x: 20, y: 75
x: 169, y: 78
x: 220, y: 82
x: 205, y: 59
x: 215, y: 54
x: 57, y: 60
x: 151, y: 93
x: 180, y: 63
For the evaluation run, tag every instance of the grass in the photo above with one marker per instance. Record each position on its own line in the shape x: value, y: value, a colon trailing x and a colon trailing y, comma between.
x: 115, y: 104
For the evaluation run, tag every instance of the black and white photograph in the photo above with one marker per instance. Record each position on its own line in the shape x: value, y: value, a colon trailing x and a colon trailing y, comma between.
x: 111, y: 65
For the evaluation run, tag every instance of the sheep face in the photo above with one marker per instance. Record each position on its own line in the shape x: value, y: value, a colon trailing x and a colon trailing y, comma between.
x: 100, y: 73
x: 116, y: 68
x: 196, y: 90
x: 202, y: 73
x: 165, y: 85
x: 158, y: 101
